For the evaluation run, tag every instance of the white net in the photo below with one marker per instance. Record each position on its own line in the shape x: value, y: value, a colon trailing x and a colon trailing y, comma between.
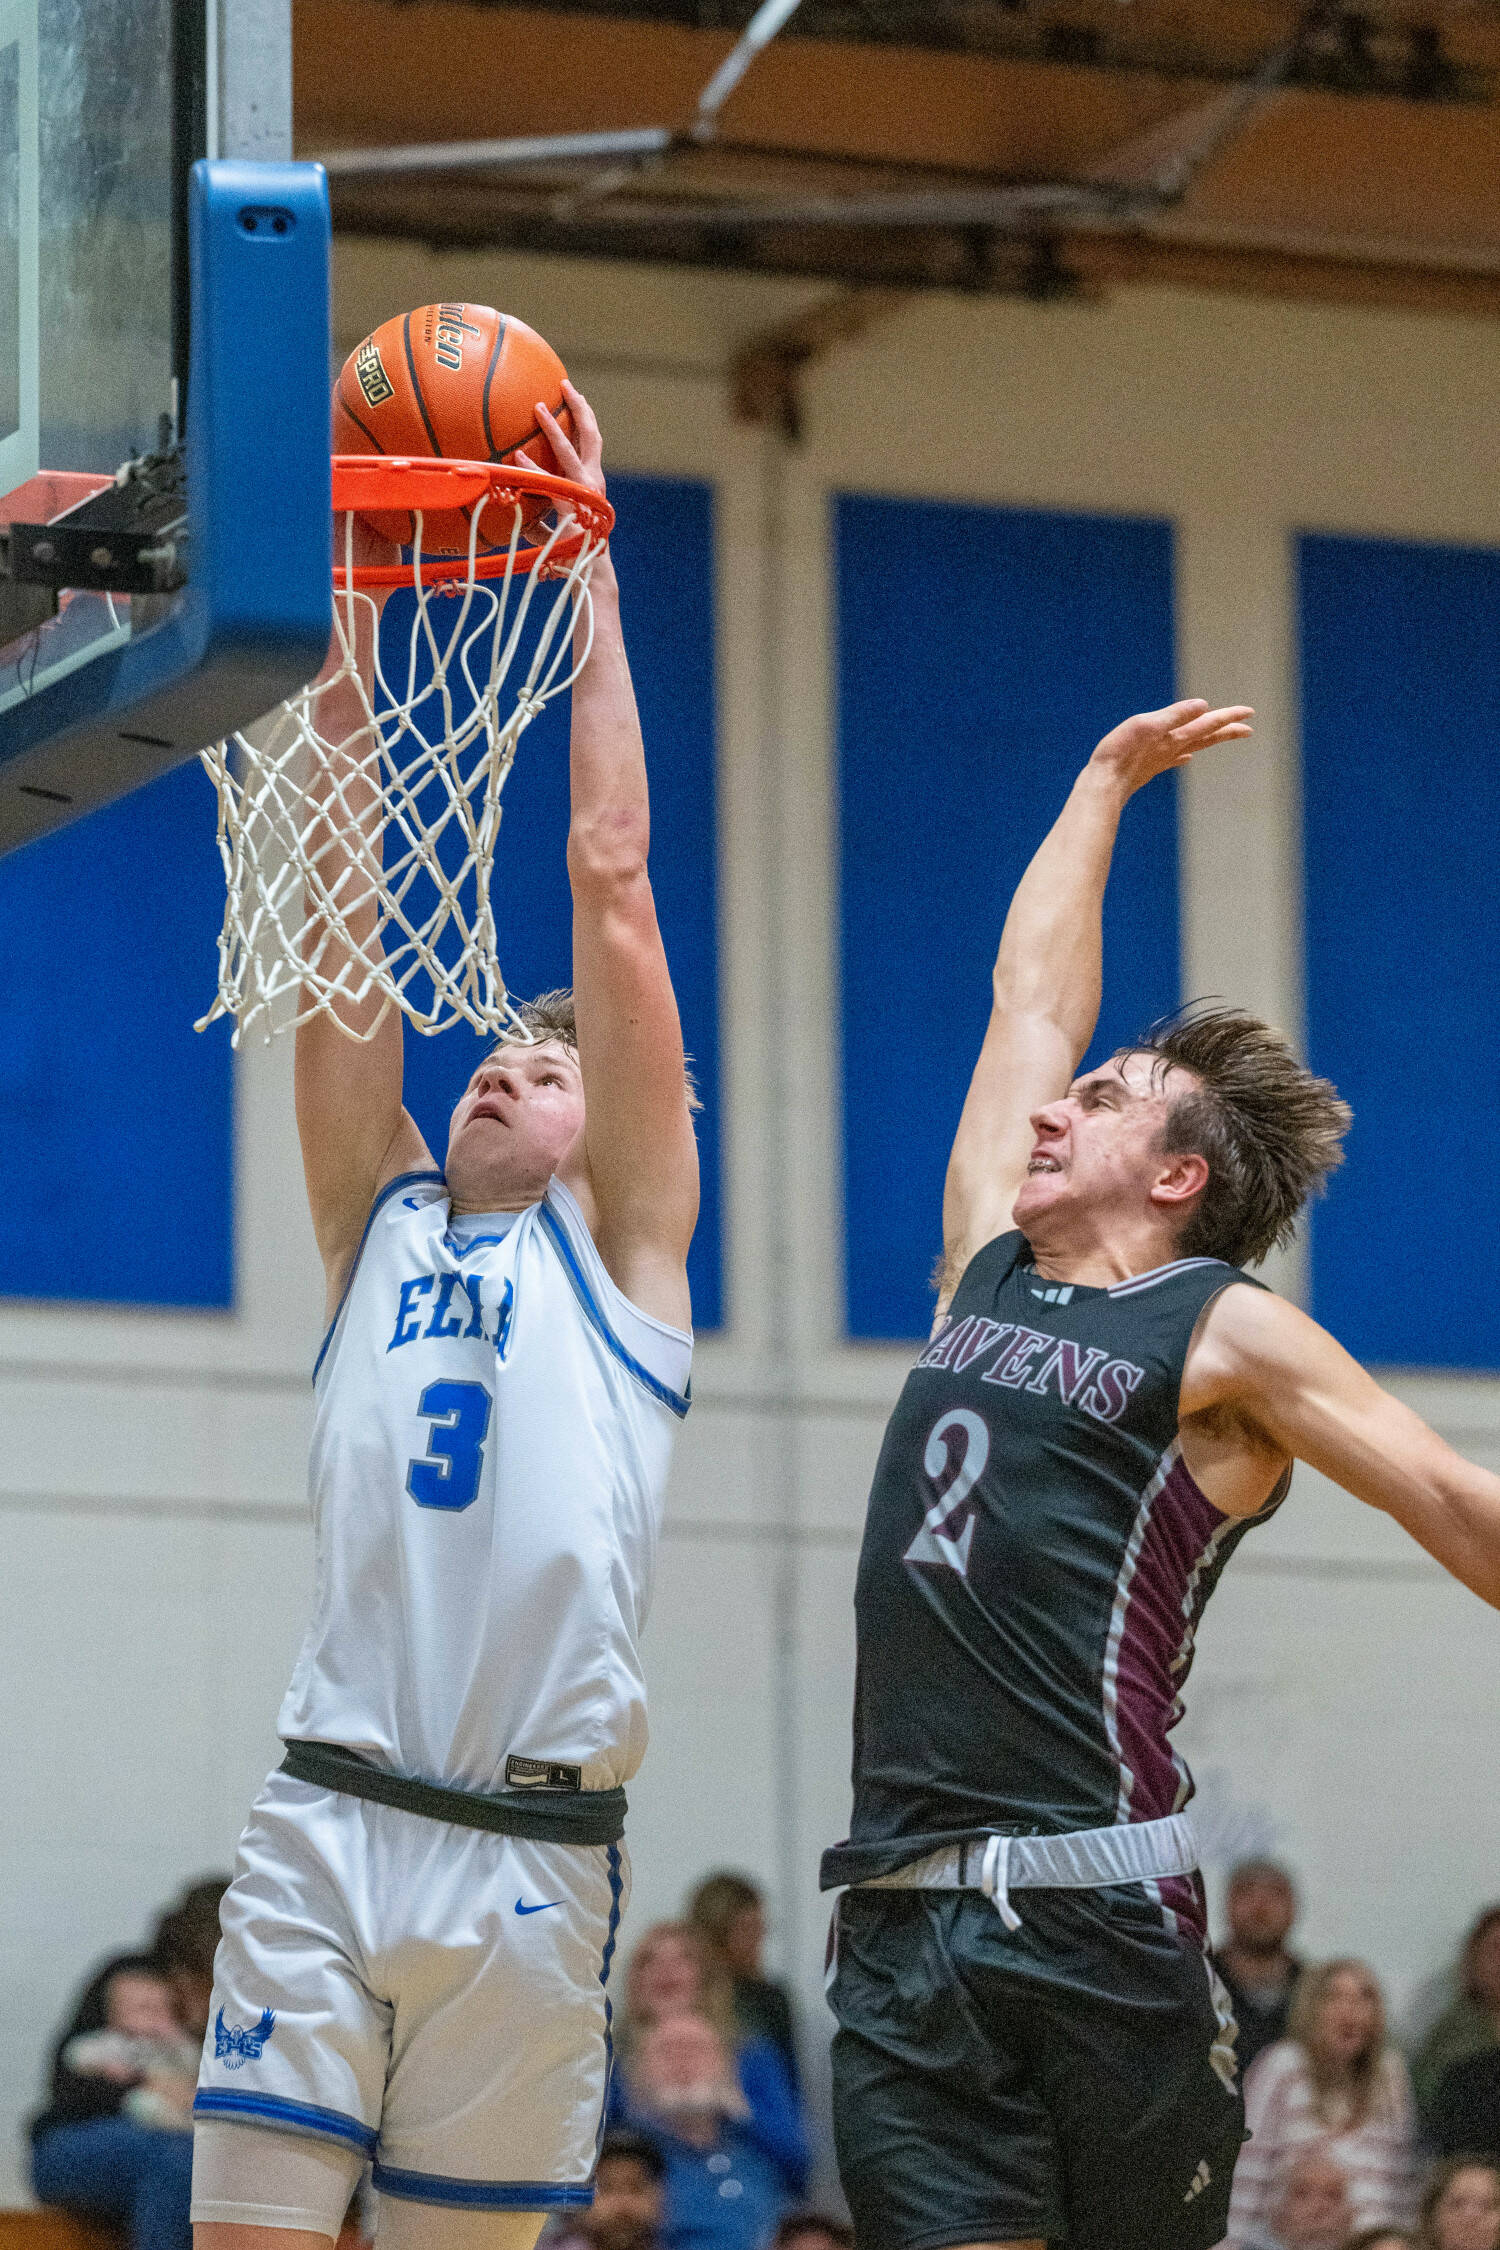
x: 358, y: 852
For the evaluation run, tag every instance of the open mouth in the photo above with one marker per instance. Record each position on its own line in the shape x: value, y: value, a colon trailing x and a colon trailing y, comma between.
x: 1041, y: 1164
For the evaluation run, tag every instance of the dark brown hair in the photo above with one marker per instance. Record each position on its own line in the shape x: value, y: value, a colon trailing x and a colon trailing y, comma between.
x: 716, y: 1903
x: 1270, y: 1130
x: 1477, y: 1934
x: 550, y: 1016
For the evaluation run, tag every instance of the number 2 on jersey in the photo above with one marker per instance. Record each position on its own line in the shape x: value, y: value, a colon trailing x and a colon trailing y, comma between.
x: 941, y: 1540
x: 448, y: 1475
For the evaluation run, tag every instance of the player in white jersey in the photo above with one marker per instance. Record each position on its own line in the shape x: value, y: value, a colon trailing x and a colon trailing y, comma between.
x: 418, y: 1938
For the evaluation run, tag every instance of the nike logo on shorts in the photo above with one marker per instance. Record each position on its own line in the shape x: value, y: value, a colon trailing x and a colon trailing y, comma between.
x: 546, y: 1906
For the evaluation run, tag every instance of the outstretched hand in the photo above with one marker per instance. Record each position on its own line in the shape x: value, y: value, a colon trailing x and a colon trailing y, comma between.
x: 1152, y: 742
x: 581, y: 456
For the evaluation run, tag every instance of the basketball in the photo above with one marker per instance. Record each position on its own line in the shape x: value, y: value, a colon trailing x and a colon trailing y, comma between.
x: 458, y: 381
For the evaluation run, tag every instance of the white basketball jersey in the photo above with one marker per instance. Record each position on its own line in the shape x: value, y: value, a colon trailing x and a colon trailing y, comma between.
x: 494, y: 1427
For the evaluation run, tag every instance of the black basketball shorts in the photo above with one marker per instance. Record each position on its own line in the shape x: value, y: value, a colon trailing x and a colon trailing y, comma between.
x: 1071, y: 2081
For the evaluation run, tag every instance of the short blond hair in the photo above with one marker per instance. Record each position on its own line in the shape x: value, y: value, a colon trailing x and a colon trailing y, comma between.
x: 551, y: 1015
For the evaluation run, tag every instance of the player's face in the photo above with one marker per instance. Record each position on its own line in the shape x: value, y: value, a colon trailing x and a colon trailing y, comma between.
x: 519, y: 1115
x: 1098, y: 1150
x: 1468, y: 2212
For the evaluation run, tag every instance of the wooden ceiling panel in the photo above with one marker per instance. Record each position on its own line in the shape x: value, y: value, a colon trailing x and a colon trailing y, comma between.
x: 1312, y: 183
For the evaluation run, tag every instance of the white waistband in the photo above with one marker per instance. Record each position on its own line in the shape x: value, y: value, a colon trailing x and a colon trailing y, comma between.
x: 1088, y: 1859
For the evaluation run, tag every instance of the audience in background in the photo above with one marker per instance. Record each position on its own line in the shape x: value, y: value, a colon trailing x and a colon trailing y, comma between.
x: 626, y: 2213
x: 725, y: 2189
x: 812, y: 2230
x: 1258, y: 1970
x: 707, y: 2148
x: 1465, y: 2116
x: 670, y: 1975
x: 728, y: 1912
x: 1336, y: 2084
x: 186, y: 1941
x: 115, y: 2140
x: 1308, y: 2206
x: 1461, y: 2207
x: 1470, y: 2025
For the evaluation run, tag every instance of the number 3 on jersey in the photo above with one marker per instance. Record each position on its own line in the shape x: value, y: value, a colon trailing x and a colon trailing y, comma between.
x: 941, y: 1539
x: 448, y: 1475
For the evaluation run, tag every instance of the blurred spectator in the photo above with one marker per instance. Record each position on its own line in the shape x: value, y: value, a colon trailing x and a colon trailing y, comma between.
x: 115, y: 2141
x: 1308, y: 2208
x: 1334, y: 2083
x: 186, y: 1940
x: 728, y: 1912
x: 141, y: 2047
x: 626, y: 2213
x: 1471, y: 2022
x: 88, y: 2155
x: 1381, y: 2238
x: 1257, y: 1970
x: 812, y: 2230
x: 1461, y: 2207
x: 1465, y: 2116
x: 670, y: 1974
x: 724, y: 2189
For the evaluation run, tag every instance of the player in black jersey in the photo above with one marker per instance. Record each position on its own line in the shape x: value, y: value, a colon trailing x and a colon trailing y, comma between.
x: 1032, y: 2047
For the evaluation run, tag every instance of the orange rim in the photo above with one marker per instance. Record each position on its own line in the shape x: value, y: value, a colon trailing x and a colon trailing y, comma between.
x: 365, y: 483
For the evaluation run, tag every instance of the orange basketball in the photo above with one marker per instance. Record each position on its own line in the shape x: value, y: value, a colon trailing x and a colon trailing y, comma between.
x: 460, y: 381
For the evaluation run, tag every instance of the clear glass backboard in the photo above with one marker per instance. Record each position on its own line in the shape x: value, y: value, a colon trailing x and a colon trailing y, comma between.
x: 102, y: 110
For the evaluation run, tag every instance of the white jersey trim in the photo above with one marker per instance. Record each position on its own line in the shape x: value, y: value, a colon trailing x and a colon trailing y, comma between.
x: 427, y: 1177
x: 1156, y: 1274
x: 664, y: 1354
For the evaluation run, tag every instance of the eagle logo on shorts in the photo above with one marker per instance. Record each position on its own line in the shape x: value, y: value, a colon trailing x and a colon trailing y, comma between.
x: 236, y: 2044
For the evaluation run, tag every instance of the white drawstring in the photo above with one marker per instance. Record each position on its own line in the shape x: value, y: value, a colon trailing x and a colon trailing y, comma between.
x: 994, y: 1880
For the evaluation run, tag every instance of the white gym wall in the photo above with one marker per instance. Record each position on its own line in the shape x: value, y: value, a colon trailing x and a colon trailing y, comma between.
x: 1344, y: 1707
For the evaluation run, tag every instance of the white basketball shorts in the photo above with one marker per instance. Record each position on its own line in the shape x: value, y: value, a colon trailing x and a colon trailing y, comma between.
x: 433, y: 1996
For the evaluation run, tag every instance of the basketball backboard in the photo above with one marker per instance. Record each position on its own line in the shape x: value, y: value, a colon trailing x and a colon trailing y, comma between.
x: 163, y: 280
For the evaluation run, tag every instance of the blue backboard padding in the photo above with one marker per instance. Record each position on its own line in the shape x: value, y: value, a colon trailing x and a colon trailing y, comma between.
x: 664, y: 551
x: 1401, y: 789
x: 118, y: 1116
x: 981, y: 653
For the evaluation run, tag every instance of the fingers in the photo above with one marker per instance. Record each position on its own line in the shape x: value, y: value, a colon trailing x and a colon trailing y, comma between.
x: 585, y: 420
x: 1229, y: 724
x: 564, y: 451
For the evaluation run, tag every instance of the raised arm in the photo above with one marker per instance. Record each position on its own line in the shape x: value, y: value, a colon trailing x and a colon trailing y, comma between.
x: 642, y: 1157
x: 355, y: 1134
x: 1049, y: 969
x: 1264, y: 1361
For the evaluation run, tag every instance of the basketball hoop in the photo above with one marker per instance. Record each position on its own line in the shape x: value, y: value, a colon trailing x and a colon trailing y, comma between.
x: 402, y: 814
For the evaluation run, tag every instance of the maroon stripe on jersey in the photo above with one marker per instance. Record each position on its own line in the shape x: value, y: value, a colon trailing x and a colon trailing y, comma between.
x: 1177, y: 1538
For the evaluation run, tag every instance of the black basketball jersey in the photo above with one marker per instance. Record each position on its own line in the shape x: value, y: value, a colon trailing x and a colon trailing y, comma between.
x: 1036, y: 1558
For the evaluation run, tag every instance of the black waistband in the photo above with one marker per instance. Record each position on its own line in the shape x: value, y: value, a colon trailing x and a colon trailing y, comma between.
x: 581, y: 1816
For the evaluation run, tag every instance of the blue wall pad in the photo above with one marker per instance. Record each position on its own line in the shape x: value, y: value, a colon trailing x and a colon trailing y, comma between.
x: 118, y: 1116
x: 981, y: 654
x: 664, y: 552
x: 1400, y: 689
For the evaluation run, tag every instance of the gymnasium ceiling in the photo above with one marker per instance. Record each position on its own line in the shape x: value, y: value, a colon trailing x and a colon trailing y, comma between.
x: 1042, y: 147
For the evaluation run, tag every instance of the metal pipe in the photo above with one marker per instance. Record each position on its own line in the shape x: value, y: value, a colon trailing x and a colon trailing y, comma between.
x: 768, y: 19
x: 498, y: 156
